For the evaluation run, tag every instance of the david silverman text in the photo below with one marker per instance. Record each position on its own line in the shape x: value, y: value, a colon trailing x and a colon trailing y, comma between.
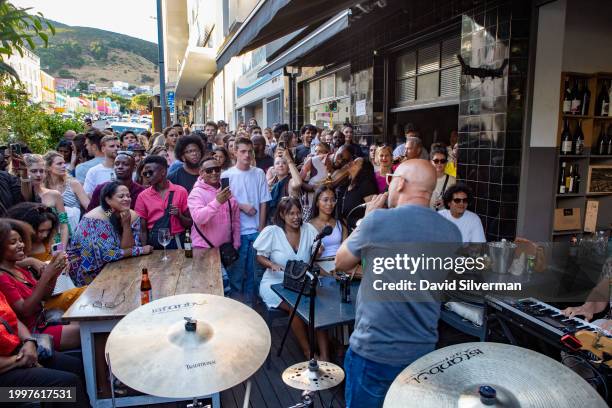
x: 465, y: 284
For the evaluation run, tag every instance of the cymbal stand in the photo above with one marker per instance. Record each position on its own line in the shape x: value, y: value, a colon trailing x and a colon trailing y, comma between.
x: 314, y: 280
x: 307, y: 401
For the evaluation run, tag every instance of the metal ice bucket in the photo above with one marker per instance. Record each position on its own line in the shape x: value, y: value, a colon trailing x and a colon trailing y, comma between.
x: 501, y: 254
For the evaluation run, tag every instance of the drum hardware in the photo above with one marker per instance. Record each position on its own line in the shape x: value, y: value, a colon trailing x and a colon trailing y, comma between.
x: 311, y: 375
x: 307, y: 400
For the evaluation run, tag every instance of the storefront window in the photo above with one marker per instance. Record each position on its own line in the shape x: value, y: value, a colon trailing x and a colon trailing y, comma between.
x: 428, y: 73
x: 319, y: 92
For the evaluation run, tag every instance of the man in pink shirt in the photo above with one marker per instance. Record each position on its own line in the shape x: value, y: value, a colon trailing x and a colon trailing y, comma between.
x: 163, y: 205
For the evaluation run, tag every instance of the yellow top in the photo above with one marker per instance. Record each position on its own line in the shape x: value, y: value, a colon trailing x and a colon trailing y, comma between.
x: 451, y: 169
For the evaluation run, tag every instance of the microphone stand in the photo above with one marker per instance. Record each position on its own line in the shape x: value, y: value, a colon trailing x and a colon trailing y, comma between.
x: 313, y: 274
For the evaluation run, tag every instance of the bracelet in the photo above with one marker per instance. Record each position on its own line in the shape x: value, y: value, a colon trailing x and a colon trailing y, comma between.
x: 63, y: 218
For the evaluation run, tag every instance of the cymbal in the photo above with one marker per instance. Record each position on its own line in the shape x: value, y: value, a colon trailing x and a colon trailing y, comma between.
x: 152, y: 351
x: 298, y: 376
x: 489, y: 374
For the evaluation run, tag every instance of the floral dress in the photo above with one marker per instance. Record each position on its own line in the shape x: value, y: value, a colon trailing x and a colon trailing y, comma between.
x: 94, y: 244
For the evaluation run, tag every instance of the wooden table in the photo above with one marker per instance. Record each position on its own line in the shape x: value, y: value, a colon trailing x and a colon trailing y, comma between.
x: 115, y: 292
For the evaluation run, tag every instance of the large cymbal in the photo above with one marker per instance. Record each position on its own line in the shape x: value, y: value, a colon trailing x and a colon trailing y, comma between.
x: 470, y: 374
x: 299, y: 376
x: 151, y: 351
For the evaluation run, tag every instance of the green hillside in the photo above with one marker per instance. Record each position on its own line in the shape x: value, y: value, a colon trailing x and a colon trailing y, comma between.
x: 99, y: 56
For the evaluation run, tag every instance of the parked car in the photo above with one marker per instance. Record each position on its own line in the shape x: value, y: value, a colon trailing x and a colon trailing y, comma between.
x: 120, y: 127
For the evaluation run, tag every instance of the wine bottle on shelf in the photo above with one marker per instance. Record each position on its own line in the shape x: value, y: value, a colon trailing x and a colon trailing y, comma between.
x: 609, y: 98
x: 569, y: 180
x: 601, y: 147
x: 567, y: 97
x: 566, y: 139
x: 579, y: 140
x: 562, y: 179
x: 603, y: 101
x: 609, y: 141
x: 586, y: 99
x: 576, y: 98
x: 576, y: 179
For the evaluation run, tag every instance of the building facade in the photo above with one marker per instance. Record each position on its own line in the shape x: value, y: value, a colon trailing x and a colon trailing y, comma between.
x: 28, y: 69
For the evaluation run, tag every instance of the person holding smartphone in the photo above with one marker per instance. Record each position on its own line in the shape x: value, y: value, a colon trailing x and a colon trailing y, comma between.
x: 215, y: 212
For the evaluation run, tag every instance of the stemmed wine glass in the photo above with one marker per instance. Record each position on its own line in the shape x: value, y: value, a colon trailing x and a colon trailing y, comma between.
x: 163, y: 236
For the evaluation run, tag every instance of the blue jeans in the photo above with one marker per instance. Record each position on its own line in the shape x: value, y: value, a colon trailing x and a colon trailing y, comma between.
x: 242, y: 272
x: 367, y: 381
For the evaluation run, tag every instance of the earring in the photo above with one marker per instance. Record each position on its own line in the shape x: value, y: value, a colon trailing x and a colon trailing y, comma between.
x: 108, y: 212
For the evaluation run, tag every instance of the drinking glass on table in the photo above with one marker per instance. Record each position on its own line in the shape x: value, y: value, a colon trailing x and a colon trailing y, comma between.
x: 164, y: 237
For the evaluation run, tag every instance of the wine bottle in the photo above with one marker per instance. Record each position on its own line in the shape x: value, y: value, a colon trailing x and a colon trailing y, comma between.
x: 576, y: 99
x: 187, y: 246
x: 566, y: 139
x: 576, y: 179
x: 601, y: 147
x: 609, y: 141
x: 603, y: 101
x: 609, y: 98
x: 567, y: 97
x: 579, y: 140
x: 586, y: 99
x: 569, y: 180
x: 562, y: 179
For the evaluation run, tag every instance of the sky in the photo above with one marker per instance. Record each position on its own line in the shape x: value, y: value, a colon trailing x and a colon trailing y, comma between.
x: 131, y: 17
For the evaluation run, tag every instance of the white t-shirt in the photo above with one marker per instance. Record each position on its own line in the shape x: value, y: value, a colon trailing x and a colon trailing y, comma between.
x: 248, y: 187
x: 469, y: 224
x: 97, y: 175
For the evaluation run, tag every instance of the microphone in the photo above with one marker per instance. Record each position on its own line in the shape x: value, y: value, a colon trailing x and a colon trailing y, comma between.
x: 325, y: 232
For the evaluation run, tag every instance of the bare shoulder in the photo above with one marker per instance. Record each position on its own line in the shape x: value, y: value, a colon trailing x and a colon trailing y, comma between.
x: 133, y: 216
x: 97, y: 214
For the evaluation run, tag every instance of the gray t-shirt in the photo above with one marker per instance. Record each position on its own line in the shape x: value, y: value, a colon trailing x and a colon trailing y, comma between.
x: 397, y: 333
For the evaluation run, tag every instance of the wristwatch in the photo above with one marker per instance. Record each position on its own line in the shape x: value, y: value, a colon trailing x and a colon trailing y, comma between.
x: 32, y: 339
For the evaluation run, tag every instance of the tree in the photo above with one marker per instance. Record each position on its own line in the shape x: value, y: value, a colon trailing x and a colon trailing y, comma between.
x: 28, y: 123
x: 98, y: 50
x: 64, y: 73
x: 82, y: 86
x: 140, y: 102
x: 146, y: 78
x: 18, y: 29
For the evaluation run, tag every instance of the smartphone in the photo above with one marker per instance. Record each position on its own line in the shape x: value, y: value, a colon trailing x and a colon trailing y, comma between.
x: 56, y: 248
x: 224, y: 182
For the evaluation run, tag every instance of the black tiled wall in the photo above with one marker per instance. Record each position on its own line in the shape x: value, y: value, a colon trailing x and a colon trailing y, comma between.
x: 491, y: 113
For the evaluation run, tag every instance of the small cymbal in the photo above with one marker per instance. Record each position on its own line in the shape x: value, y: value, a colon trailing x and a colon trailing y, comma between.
x: 471, y: 375
x: 157, y: 350
x: 299, y: 376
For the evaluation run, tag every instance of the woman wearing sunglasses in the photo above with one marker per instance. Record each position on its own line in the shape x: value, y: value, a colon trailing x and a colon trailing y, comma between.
x: 456, y: 199
x: 439, y: 158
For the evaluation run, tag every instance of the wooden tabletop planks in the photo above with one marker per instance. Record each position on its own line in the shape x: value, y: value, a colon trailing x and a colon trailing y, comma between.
x: 116, y: 290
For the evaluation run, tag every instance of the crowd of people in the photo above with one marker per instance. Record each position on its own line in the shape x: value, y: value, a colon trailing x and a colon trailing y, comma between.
x: 266, y: 193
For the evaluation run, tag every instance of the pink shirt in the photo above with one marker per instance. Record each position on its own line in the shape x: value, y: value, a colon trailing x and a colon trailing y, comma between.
x: 151, y: 207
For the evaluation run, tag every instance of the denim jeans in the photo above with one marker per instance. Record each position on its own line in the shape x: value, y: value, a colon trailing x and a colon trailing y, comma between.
x: 242, y: 273
x: 367, y: 381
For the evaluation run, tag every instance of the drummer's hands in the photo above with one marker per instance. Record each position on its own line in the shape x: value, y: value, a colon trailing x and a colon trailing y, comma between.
x: 584, y: 310
x: 147, y: 249
x: 377, y: 202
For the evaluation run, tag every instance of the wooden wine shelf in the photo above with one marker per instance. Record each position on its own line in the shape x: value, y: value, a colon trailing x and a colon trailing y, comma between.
x: 568, y: 232
x: 570, y: 116
x: 570, y: 195
x: 603, y: 117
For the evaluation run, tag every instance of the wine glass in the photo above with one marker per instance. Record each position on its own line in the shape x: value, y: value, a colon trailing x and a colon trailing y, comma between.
x: 163, y: 236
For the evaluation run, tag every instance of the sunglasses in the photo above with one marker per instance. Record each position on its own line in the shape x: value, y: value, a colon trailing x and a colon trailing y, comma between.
x: 147, y: 174
x: 461, y: 200
x: 439, y: 161
x: 389, y: 177
x: 211, y: 170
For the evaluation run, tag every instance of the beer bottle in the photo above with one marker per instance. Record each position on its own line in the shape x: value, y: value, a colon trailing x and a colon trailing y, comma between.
x: 146, y: 294
x: 188, y: 251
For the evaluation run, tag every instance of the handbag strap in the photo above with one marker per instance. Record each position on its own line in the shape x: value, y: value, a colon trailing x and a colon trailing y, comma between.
x: 445, y: 183
x: 231, y: 229
x: 25, y: 282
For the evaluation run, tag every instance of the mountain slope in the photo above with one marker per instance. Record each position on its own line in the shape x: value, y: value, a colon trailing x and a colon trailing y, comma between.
x: 99, y: 56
